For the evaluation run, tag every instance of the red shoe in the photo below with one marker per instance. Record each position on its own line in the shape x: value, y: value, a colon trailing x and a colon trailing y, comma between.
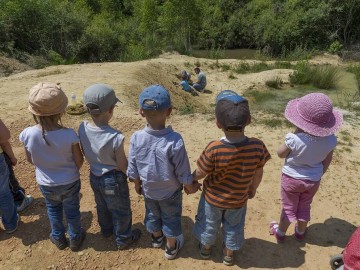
x: 273, y: 231
x: 298, y: 236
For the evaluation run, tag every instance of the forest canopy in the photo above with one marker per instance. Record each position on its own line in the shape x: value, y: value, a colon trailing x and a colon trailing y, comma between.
x: 71, y: 31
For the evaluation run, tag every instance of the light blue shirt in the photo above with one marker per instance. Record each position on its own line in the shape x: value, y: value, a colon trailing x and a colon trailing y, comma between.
x: 307, y: 154
x: 159, y: 159
x: 185, y: 85
x: 99, y: 145
x: 54, y: 163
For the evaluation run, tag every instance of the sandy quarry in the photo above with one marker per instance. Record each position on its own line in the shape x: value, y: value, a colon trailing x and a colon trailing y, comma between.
x: 336, y: 207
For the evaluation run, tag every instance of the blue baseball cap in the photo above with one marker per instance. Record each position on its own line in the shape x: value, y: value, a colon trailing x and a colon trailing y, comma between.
x: 232, y: 111
x: 158, y: 96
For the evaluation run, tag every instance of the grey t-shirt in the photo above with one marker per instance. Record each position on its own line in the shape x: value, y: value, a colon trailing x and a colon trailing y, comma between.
x: 99, y: 145
x: 202, y: 79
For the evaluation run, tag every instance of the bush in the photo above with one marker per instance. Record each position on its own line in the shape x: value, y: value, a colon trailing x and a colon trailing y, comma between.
x: 325, y: 77
x: 258, y: 67
x: 302, y: 73
x: 283, y: 64
x: 335, y: 47
x: 242, y: 68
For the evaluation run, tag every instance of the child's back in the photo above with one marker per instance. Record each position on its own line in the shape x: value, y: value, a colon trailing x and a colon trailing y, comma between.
x: 233, y: 169
x: 103, y: 147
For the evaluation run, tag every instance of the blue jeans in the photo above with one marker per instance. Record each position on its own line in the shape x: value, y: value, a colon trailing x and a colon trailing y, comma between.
x: 164, y: 215
x: 198, y: 87
x: 209, y: 218
x: 7, y: 205
x: 112, y: 199
x: 63, y: 198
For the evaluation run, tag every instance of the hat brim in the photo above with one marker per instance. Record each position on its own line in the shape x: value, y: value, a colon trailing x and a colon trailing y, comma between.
x: 334, y: 123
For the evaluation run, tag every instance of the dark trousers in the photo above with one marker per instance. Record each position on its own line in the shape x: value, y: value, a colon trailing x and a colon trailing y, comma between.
x: 17, y: 191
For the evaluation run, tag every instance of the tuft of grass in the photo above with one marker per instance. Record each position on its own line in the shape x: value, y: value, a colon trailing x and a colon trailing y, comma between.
x: 197, y: 63
x: 272, y: 122
x: 242, y: 68
x: 225, y: 67
x: 325, y: 77
x: 274, y: 83
x: 258, y: 67
x: 283, y: 65
x: 231, y: 76
x: 302, y: 73
x: 262, y: 96
x: 187, y: 109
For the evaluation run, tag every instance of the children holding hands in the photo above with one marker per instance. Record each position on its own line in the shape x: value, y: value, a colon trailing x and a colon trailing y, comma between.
x: 159, y: 167
x: 233, y: 169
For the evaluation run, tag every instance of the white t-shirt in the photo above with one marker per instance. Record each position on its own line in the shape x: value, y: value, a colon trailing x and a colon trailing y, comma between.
x: 99, y: 145
x: 55, y: 165
x: 307, y: 154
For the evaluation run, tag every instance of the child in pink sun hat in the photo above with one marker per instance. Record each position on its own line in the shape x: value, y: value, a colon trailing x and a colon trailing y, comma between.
x: 308, y: 152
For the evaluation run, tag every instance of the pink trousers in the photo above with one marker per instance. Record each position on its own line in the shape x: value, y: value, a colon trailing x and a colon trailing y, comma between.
x: 296, y: 197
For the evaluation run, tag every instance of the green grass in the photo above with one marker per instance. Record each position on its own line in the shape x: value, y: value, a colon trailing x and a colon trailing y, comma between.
x: 188, y: 109
x: 225, y: 67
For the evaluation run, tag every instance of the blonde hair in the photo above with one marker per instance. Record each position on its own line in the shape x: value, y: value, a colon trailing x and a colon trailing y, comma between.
x: 46, y: 121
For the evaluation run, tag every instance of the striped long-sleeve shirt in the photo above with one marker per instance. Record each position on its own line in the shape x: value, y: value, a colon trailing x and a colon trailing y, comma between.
x: 230, y: 168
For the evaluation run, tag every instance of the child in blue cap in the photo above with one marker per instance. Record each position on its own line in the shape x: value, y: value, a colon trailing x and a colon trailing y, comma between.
x: 233, y: 169
x: 159, y: 167
x: 103, y: 147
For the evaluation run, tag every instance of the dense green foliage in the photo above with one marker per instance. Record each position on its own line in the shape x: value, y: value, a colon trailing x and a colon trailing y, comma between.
x: 68, y: 31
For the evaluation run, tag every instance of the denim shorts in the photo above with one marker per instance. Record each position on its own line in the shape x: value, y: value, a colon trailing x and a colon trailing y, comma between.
x: 164, y: 215
x: 111, y: 191
x: 209, y: 219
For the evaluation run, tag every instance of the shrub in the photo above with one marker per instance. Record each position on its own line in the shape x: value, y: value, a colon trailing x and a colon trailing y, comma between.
x: 302, y: 73
x: 258, y: 67
x: 283, y: 64
x: 325, y: 77
x: 242, y: 67
x: 225, y: 67
x: 335, y: 47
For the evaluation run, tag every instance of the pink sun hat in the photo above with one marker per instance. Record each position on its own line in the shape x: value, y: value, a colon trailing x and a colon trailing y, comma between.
x: 314, y: 114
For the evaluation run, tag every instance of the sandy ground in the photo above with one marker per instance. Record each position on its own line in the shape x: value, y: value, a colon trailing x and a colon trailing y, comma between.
x: 335, y: 211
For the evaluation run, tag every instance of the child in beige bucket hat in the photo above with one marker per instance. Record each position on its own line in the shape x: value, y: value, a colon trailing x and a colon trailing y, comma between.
x: 55, y: 152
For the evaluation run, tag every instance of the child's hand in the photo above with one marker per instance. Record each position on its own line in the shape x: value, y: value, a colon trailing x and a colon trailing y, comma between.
x: 193, y: 188
x: 251, y: 193
x: 13, y: 161
x: 138, y: 188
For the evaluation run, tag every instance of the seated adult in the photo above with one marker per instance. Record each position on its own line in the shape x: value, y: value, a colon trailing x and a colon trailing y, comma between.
x: 200, y: 84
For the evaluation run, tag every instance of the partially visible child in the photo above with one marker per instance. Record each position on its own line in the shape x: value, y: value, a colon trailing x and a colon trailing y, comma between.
x: 103, y: 147
x: 308, y: 153
x: 22, y: 201
x: 186, y: 86
x: 9, y: 217
x: 233, y: 169
x: 159, y: 167
x: 55, y: 152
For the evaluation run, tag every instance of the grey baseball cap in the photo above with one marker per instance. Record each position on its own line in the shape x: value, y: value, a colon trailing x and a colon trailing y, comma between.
x: 98, y: 98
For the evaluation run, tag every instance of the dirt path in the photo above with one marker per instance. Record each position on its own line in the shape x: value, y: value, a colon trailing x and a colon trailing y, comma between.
x: 335, y: 211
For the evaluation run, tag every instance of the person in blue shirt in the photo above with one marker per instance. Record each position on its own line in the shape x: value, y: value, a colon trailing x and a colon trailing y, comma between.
x: 185, y: 85
x: 159, y: 167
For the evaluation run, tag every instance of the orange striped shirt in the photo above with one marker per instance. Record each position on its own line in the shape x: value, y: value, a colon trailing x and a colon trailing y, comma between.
x: 230, y: 168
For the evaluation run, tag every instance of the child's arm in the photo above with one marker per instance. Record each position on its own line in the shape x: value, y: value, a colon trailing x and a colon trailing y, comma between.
x: 5, y: 144
x: 255, y: 182
x: 77, y: 154
x: 326, y: 162
x: 137, y: 183
x: 283, y: 151
x: 121, y: 159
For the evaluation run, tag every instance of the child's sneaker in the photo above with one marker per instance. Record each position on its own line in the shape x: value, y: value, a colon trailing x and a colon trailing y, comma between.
x: 157, y: 242
x: 170, y: 254
x: 28, y: 199
x: 61, y: 243
x: 298, y: 236
x: 204, y: 253
x: 228, y: 260
x: 75, y: 244
x: 273, y: 231
x: 17, y: 224
x: 136, y: 234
